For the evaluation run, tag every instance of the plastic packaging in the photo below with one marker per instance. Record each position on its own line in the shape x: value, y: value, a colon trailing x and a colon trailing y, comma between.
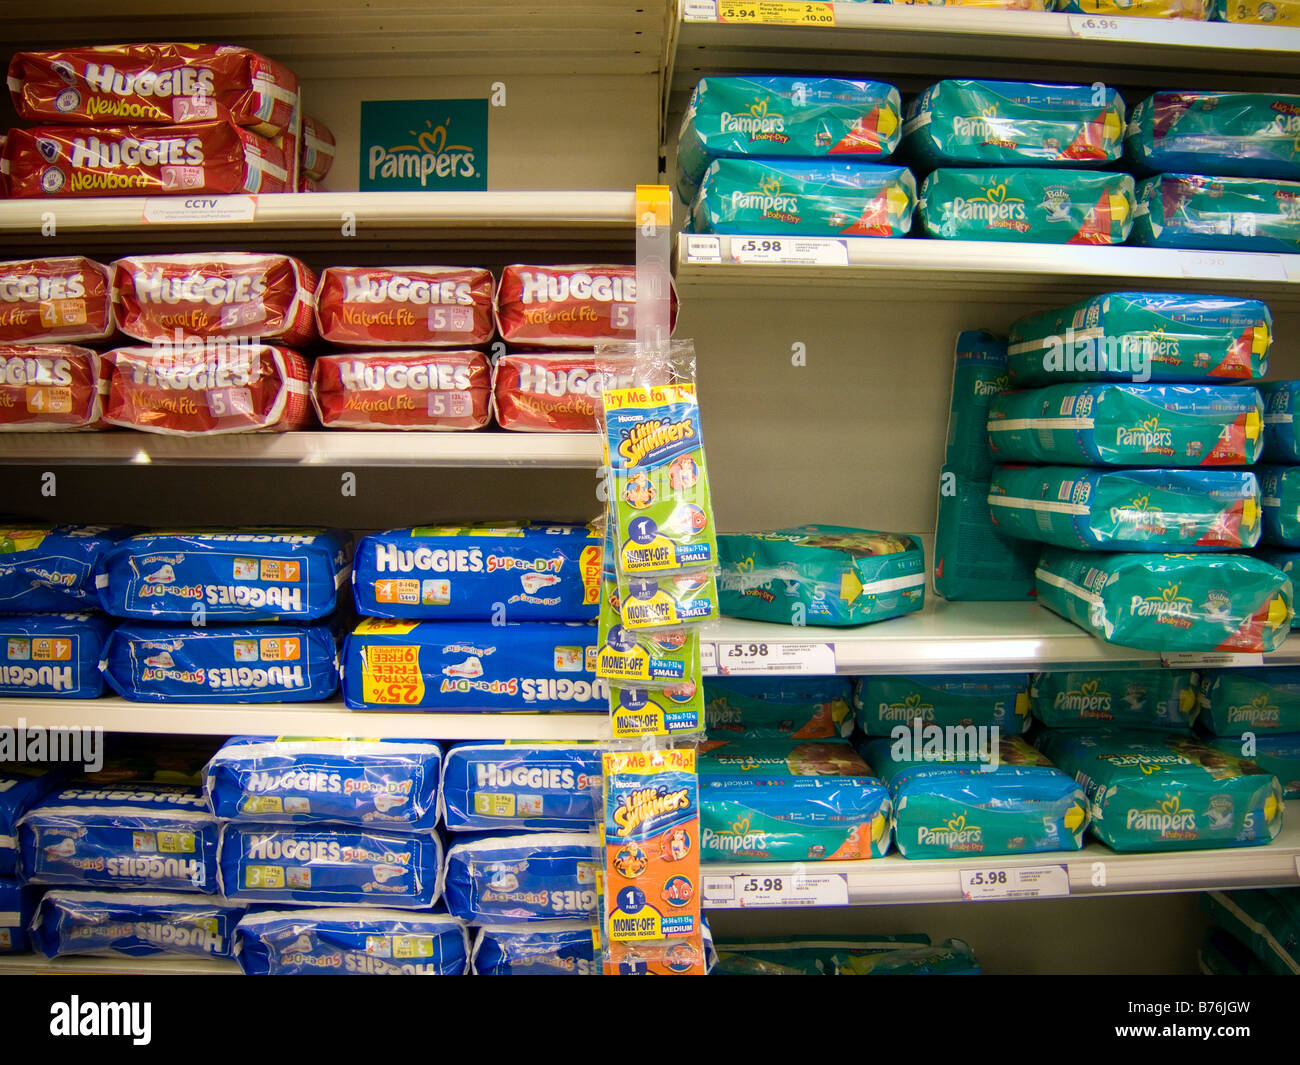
x: 22, y: 786
x: 52, y: 655
x: 419, y: 390
x: 351, y: 941
x: 317, y: 151
x: 488, y: 786
x: 134, y: 924
x: 1266, y: 922
x: 972, y: 560
x: 405, y: 306
x: 47, y: 568
x: 50, y: 388
x: 1261, y: 12
x: 1280, y: 486
x: 557, y: 948
x: 1264, y: 701
x: 1281, y: 399
x: 1104, y: 698
x: 772, y: 708
x: 1218, y: 213
x: 995, y: 700
x: 17, y: 907
x: 539, y: 876
x: 567, y: 306
x: 552, y: 392
x: 979, y: 373
x: 66, y: 299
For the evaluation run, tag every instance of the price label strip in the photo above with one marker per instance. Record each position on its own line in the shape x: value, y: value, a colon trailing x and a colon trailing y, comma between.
x: 816, y: 659
x: 1096, y: 26
x: 777, y: 13
x: 1209, y: 660
x: 790, y: 251
x: 1248, y: 267
x: 747, y: 890
x: 199, y: 209
x: 1038, y: 882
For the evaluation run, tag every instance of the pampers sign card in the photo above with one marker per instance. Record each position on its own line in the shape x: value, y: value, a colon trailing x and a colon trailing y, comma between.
x: 435, y: 145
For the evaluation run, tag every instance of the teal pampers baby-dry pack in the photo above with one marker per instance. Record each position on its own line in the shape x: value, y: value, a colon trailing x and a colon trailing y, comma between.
x: 979, y: 373
x: 1105, y: 698
x: 770, y: 708
x: 1235, y: 702
x: 1228, y: 213
x: 1127, y: 510
x: 1280, y: 488
x: 1267, y: 922
x: 972, y: 560
x: 1284, y: 559
x: 1279, y: 755
x: 1281, y: 400
x: 994, y: 700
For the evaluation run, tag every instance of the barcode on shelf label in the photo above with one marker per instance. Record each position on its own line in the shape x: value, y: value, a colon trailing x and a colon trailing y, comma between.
x: 1208, y: 660
x: 1095, y: 26
x: 748, y: 890
x: 1038, y: 882
x: 700, y: 11
x: 703, y: 249
x: 754, y: 656
x: 708, y: 658
x: 1247, y: 267
x: 790, y: 251
x: 198, y: 209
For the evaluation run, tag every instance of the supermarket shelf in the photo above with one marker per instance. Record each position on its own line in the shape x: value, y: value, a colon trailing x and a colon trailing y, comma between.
x: 39, y: 965
x: 293, y: 719
x: 482, y: 449
x: 983, y: 271
x: 1094, y: 870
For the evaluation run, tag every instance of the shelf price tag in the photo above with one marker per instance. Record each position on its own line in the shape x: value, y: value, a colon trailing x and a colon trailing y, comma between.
x: 1039, y: 882
x: 708, y: 659
x: 790, y: 251
x: 1248, y: 267
x: 703, y: 248
x: 751, y: 890
x: 199, y: 209
x: 776, y: 12
x: 700, y: 11
x: 754, y: 656
x: 1096, y: 26
x: 1209, y: 660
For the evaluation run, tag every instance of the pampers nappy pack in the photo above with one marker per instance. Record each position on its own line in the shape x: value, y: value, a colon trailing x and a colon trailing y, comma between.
x: 1279, y: 755
x: 1038, y: 204
x: 52, y: 655
x: 556, y: 948
x: 1010, y: 800
x: 1285, y: 560
x: 247, y: 664
x: 1140, y: 698
x: 1253, y: 134
x: 1013, y: 123
x: 1239, y: 701
x: 904, y: 955
x: 526, y: 572
x: 134, y: 924
x: 21, y: 787
x: 1281, y: 400
x: 131, y: 835
x: 52, y: 567
x: 225, y: 575
x: 779, y: 800
x: 1280, y: 486
x: 794, y: 117
x: 972, y: 559
x: 1141, y: 336
x: 994, y: 700
x: 330, y: 864
x: 1128, y: 425
x: 775, y: 708
x: 539, y: 876
x: 1169, y: 602
x: 820, y: 575
x: 472, y: 665
x: 1129, y: 510
x: 804, y: 197
x: 349, y: 941
x: 1267, y: 923
x: 1228, y: 213
x: 1150, y: 792
x: 490, y: 786
x: 979, y: 373
x: 388, y: 783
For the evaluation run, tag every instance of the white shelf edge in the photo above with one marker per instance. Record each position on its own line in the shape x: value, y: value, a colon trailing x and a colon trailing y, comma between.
x: 39, y: 965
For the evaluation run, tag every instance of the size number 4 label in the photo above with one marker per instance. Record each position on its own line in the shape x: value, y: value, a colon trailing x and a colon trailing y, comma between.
x: 782, y: 658
x: 1038, y: 882
x: 745, y: 890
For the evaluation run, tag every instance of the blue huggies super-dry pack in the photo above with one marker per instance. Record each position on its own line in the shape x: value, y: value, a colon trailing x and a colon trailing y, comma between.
x: 17, y: 905
x: 529, y: 572
x: 387, y: 783
x: 351, y: 941
x: 1281, y: 400
x: 54, y: 655
x: 132, y: 835
x: 330, y: 864
x: 772, y: 708
x: 22, y: 786
x: 134, y: 924
x: 248, y: 664
x: 231, y: 575
x: 556, y: 948
x: 1280, y: 488
x: 52, y: 567
x: 1262, y: 701
x: 542, y: 876
x: 487, y: 786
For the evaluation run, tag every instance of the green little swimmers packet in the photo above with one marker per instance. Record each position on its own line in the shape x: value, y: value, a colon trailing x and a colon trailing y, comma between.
x: 994, y: 700
x: 1218, y: 213
x: 1155, y: 793
x: 972, y: 560
x: 1281, y: 400
x: 794, y: 117
x: 1141, y: 336
x: 1280, y: 486
x: 948, y: 807
x: 1251, y: 134
x: 1129, y: 425
x: 979, y: 373
x: 1128, y: 510
x: 1141, y: 698
x: 820, y: 575
x: 1169, y: 602
x: 1239, y: 701
x: 960, y: 122
x: 805, y: 198
x: 1038, y: 204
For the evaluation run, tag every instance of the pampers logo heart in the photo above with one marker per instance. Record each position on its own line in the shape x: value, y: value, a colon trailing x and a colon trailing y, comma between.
x: 956, y: 824
x: 770, y: 186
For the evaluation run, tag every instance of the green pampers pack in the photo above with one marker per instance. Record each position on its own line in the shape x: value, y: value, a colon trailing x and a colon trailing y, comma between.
x: 1279, y: 755
x: 1129, y: 425
x: 1237, y: 701
x: 1223, y: 955
x: 965, y: 122
x: 1038, y: 204
x: 807, y: 198
x: 1169, y: 602
x: 1150, y: 792
x: 994, y: 700
x: 1268, y: 922
x: 1280, y: 488
x: 1127, y: 510
x: 1131, y: 698
x: 1281, y: 400
x: 1218, y: 213
x: 778, y: 800
x: 763, y: 708
x: 972, y: 560
x: 1262, y: 12
x: 805, y: 955
x: 820, y: 575
x: 1284, y: 559
x: 979, y: 373
x: 1250, y: 134
x: 1016, y: 803
x: 793, y: 117
x: 1141, y: 336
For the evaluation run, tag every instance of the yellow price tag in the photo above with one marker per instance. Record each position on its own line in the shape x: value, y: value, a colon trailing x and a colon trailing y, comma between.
x: 777, y: 13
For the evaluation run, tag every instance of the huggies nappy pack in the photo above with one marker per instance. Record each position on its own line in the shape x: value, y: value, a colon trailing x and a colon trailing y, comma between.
x: 405, y: 306
x: 129, y: 835
x: 384, y: 783
x: 350, y: 941
x: 492, y: 786
x: 1280, y: 486
x: 330, y: 864
x: 55, y: 655
x: 134, y: 924
x: 1239, y: 701
x: 1281, y: 399
x: 972, y: 560
x: 47, y: 568
x: 1141, y: 699
x: 49, y: 387
x: 1129, y: 510
x: 539, y: 876
x: 1218, y: 213
x: 1128, y: 425
x: 66, y: 300
x: 994, y: 700
x: 775, y: 708
x: 416, y: 390
x: 17, y: 906
x: 1253, y: 134
x: 556, y: 948
x: 22, y: 786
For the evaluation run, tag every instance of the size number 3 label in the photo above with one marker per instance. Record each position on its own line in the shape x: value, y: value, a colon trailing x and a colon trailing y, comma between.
x: 1039, y: 882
